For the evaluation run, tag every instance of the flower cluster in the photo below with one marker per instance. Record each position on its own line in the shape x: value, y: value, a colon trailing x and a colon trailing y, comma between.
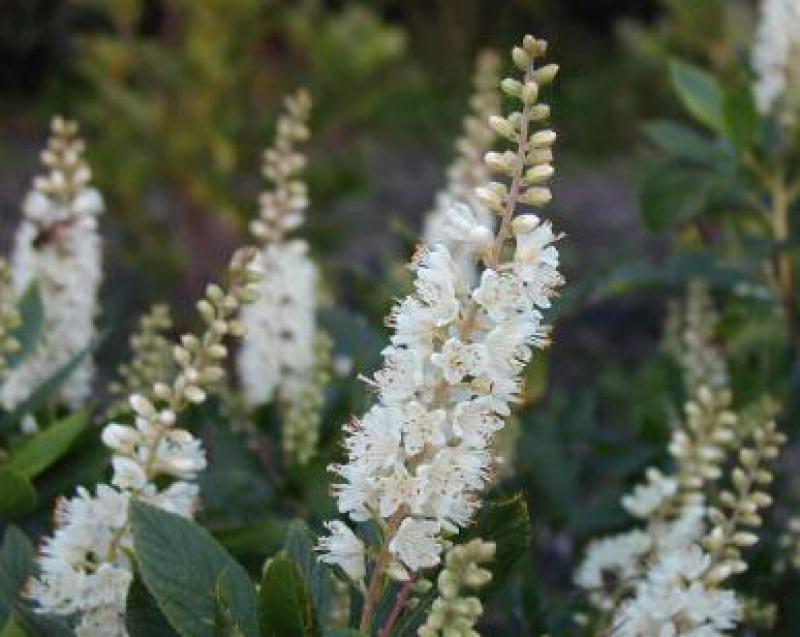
x: 303, y: 416
x: 278, y: 354
x: 151, y: 358
x: 419, y: 459
x: 85, y: 567
x: 9, y: 317
x: 667, y: 577
x: 776, y: 56
x: 468, y: 171
x: 453, y: 612
x: 57, y: 247
x: 682, y: 592
x: 690, y: 337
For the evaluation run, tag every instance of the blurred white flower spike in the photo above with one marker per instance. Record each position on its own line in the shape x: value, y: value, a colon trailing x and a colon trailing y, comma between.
x: 419, y: 459
x: 58, y: 248
x: 776, y: 59
x: 85, y: 568
x: 284, y: 355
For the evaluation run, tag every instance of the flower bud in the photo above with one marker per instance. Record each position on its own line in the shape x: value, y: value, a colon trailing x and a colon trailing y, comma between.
x: 521, y: 58
x: 536, y: 196
x: 546, y: 74
x: 511, y: 87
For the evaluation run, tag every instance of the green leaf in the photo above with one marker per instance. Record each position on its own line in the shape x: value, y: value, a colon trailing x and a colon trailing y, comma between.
x: 680, y: 141
x: 36, y: 625
x: 700, y: 94
x: 300, y: 542
x: 506, y: 523
x: 286, y: 607
x: 672, y: 193
x: 17, y: 495
x: 50, y: 387
x: 260, y: 538
x: 31, y: 311
x: 16, y: 565
x: 143, y: 618
x: 190, y: 575
x: 343, y: 632
x: 39, y: 452
x: 741, y: 117
x: 12, y: 629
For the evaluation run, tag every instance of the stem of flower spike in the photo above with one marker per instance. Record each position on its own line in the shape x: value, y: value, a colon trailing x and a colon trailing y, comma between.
x: 399, y: 606
x: 781, y: 201
x: 376, y: 580
x: 493, y: 258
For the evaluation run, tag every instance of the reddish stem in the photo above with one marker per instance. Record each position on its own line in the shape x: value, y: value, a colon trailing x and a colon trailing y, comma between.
x: 399, y: 605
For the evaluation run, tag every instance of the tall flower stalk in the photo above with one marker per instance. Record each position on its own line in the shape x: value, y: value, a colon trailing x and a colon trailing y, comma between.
x: 85, y: 567
x: 468, y: 170
x: 57, y: 247
x: 151, y: 359
x: 671, y: 576
x: 420, y: 458
x: 279, y: 358
x: 776, y: 60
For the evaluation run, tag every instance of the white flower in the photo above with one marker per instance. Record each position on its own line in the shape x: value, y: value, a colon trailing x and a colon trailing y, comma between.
x: 458, y: 359
x: 463, y: 225
x: 536, y: 259
x: 422, y: 427
x: 88, y: 202
x: 436, y: 283
x: 344, y: 549
x: 66, y: 265
x: 277, y: 353
x: 613, y: 564
x: 120, y: 438
x: 673, y: 601
x: 401, y: 375
x: 128, y: 474
x: 776, y: 54
x: 475, y: 421
x: 415, y: 544
x: 646, y: 498
x: 503, y: 296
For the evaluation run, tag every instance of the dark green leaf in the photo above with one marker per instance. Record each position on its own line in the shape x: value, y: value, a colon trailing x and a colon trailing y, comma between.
x: 12, y: 629
x: 672, y: 193
x: 262, y: 538
x: 300, y: 543
x: 286, y: 607
x: 190, y: 575
x: 143, y: 618
x: 700, y: 94
x: 31, y: 313
x: 680, y: 141
x: 17, y: 495
x: 43, y: 449
x: 741, y: 117
x: 16, y: 564
x: 343, y: 632
x: 37, y: 625
x: 506, y: 523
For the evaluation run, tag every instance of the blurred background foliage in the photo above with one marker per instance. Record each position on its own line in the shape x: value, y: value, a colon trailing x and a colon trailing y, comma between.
x: 178, y: 97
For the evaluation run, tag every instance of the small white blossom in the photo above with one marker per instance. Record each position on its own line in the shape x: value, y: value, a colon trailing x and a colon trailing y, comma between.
x: 58, y: 247
x: 341, y: 547
x: 415, y: 544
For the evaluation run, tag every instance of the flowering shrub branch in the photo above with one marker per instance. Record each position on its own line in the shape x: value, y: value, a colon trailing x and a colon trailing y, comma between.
x: 419, y: 459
